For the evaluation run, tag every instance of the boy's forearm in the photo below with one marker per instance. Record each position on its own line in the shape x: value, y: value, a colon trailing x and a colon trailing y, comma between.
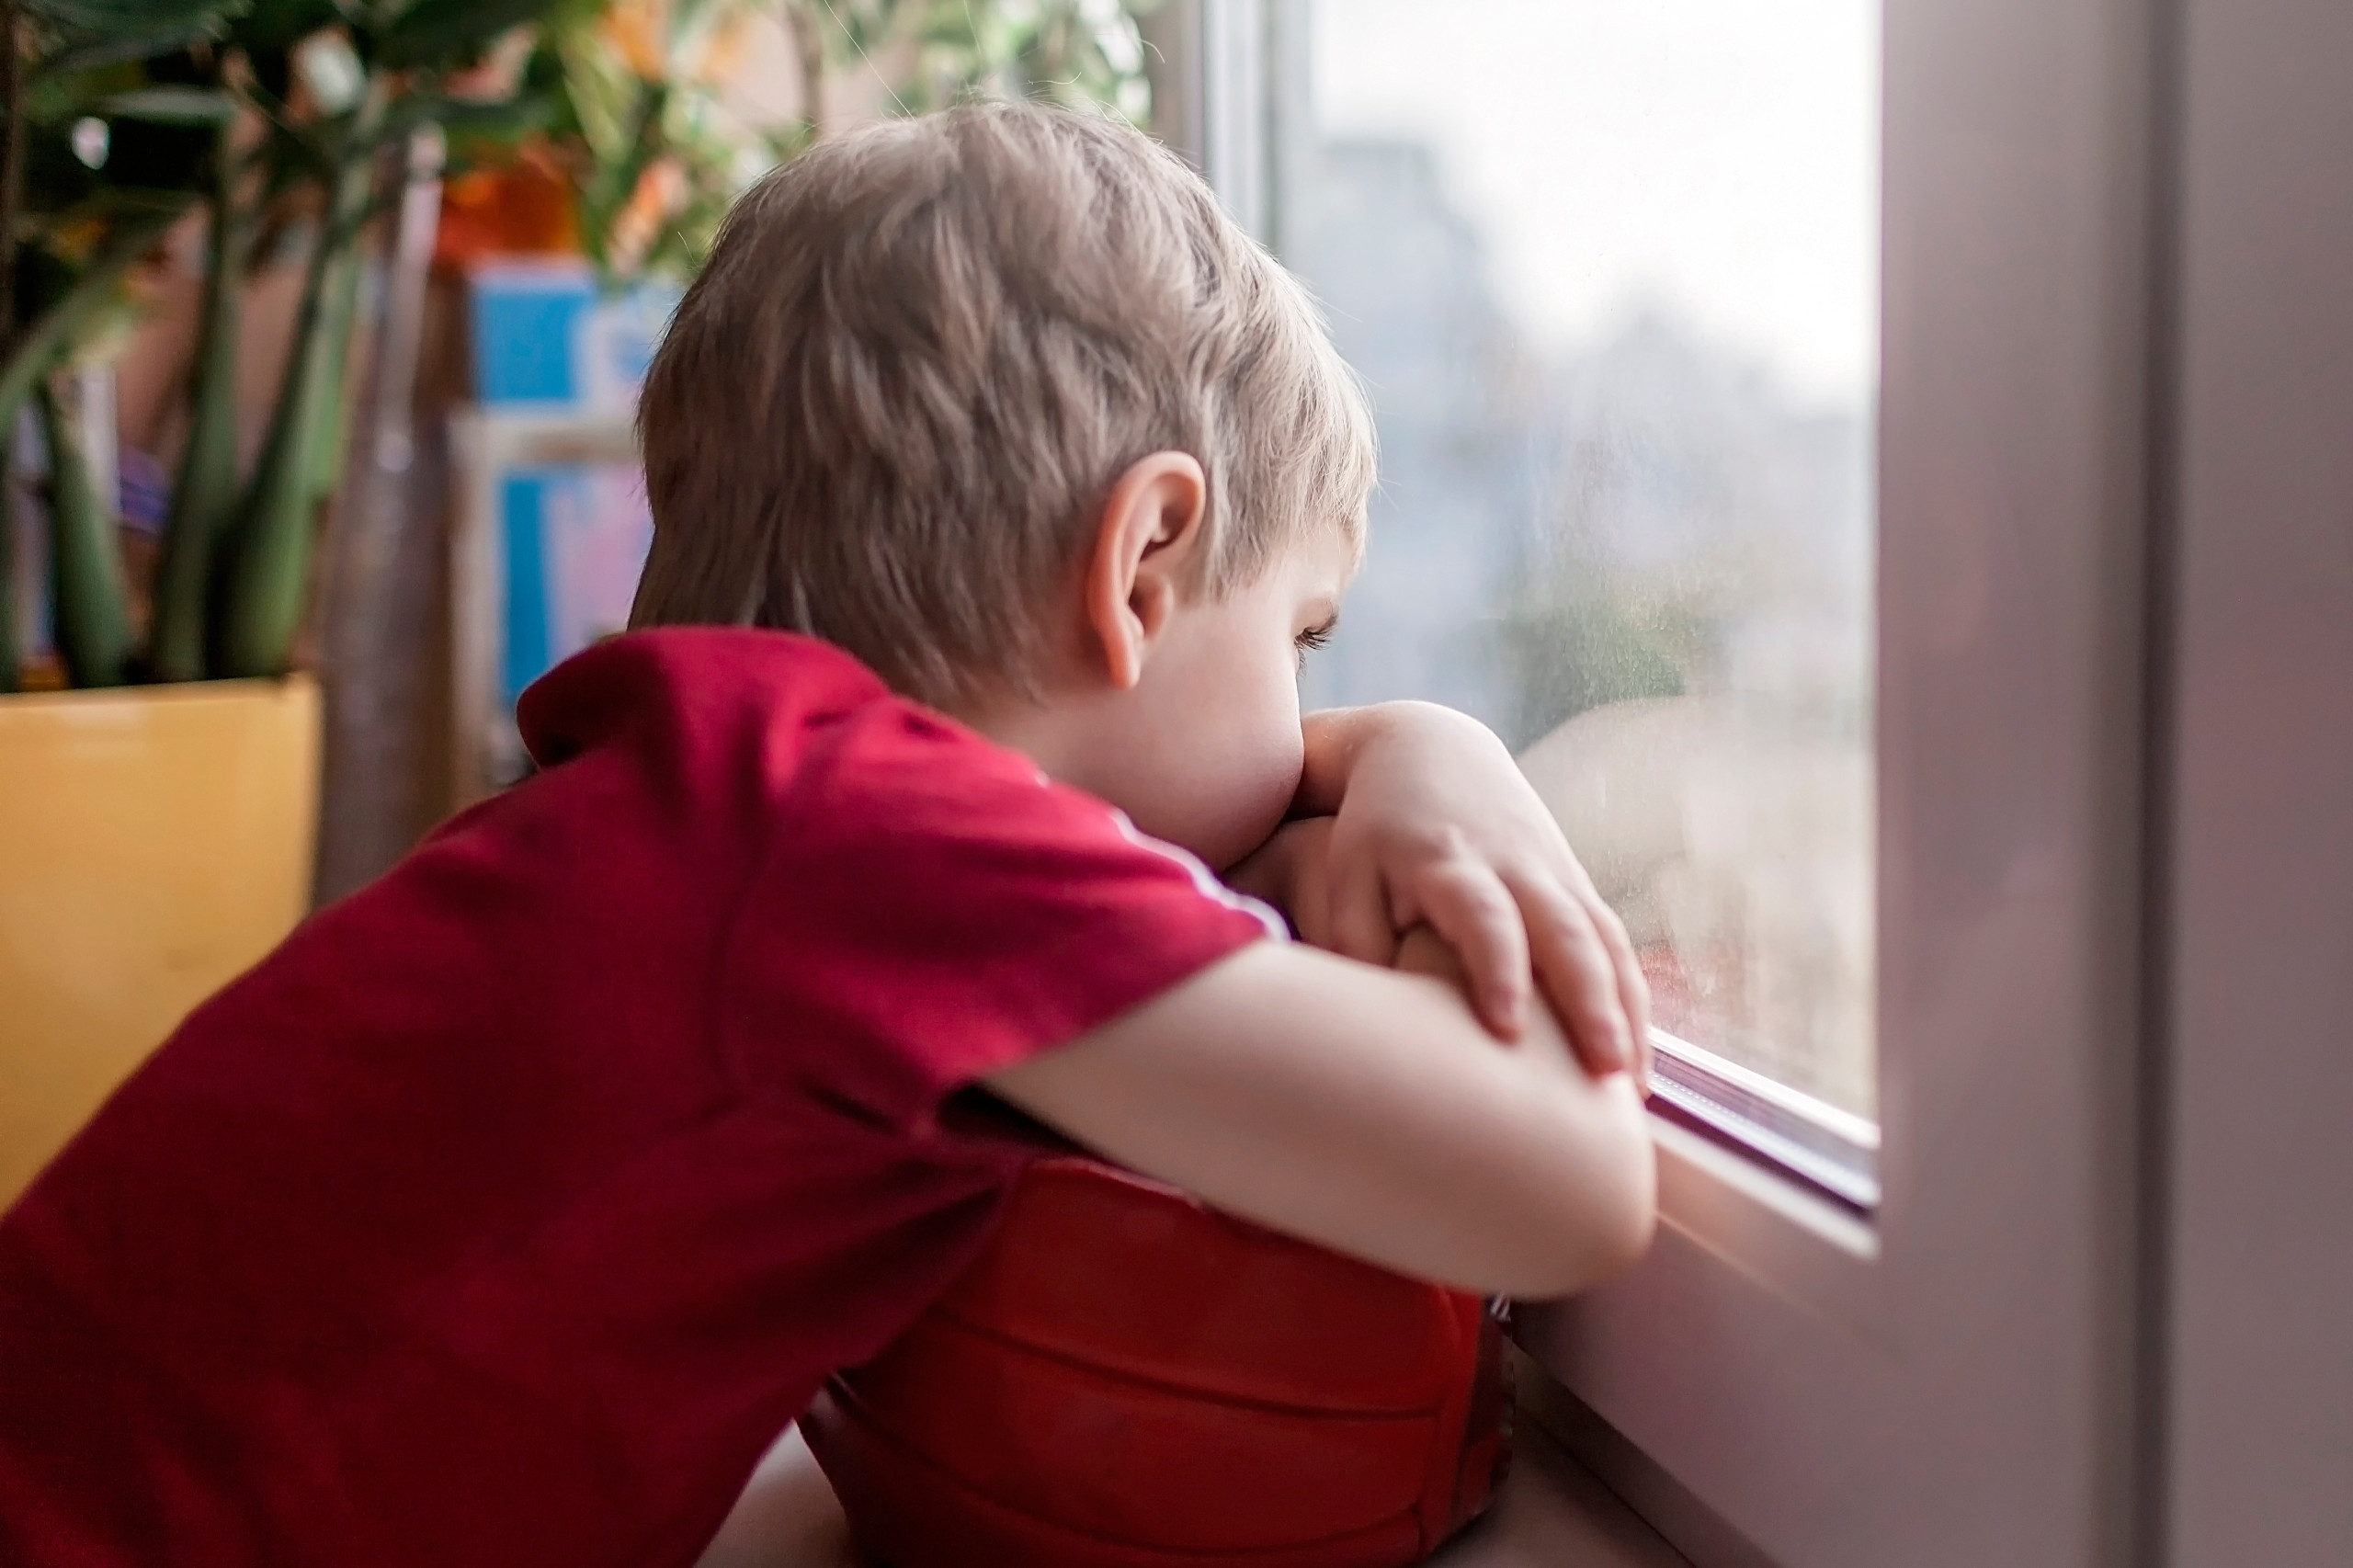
x: 1338, y: 737
x: 1333, y: 737
x: 1366, y: 1111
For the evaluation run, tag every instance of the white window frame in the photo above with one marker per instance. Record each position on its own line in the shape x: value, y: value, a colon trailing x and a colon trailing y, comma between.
x: 1960, y: 1378
x: 486, y: 752
x: 2257, y: 1255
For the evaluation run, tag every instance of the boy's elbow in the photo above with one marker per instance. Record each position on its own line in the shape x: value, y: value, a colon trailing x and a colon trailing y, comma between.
x: 1629, y: 1217
x: 1605, y: 1218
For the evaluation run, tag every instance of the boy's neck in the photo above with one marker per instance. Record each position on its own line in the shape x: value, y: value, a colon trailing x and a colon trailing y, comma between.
x: 1040, y: 728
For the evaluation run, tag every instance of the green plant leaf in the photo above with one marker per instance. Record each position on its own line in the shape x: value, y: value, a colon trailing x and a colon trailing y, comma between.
x: 264, y: 578
x: 607, y: 99
x: 272, y: 26
x: 121, y: 47
x: 204, y: 492
x: 60, y: 326
x: 118, y: 18
x: 91, y: 611
x: 169, y: 106
x: 508, y: 121
x: 451, y: 32
x: 9, y: 647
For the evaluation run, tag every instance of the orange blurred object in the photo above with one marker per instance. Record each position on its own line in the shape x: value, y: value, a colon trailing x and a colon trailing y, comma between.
x: 638, y: 30
x: 660, y: 192
x: 526, y: 208
x: 155, y: 842
x: 1128, y: 1379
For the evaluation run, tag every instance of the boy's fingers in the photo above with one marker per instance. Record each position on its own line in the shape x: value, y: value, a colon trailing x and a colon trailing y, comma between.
x: 1579, y: 975
x: 1470, y: 907
x: 1634, y: 986
x: 1309, y: 908
x: 1357, y: 912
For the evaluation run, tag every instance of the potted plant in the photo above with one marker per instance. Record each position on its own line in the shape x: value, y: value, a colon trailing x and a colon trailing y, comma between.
x: 157, y: 812
x: 158, y: 799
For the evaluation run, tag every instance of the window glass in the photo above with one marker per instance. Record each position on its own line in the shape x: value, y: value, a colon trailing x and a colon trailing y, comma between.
x: 1609, y: 270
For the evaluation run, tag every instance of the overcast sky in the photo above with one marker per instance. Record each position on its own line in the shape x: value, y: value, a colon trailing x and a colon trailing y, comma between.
x: 1720, y: 157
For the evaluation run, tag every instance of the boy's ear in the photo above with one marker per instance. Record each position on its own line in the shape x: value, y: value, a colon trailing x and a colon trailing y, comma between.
x: 1145, y: 549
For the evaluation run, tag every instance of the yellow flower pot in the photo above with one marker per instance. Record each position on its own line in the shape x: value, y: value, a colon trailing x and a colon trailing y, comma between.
x: 155, y: 842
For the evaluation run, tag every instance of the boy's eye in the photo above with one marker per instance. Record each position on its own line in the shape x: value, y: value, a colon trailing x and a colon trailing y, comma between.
x: 1313, y: 638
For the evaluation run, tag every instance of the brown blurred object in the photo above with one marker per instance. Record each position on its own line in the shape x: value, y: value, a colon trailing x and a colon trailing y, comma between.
x: 378, y: 573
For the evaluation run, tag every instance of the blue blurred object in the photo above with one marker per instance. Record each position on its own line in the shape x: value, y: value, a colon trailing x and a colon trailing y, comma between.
x: 522, y: 507
x: 146, y: 492
x: 573, y: 538
x: 544, y: 335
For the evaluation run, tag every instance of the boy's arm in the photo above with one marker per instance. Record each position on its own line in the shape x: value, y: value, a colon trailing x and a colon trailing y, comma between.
x: 1367, y: 1111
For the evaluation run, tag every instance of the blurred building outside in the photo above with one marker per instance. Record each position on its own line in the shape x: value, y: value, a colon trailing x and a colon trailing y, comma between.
x: 1642, y: 558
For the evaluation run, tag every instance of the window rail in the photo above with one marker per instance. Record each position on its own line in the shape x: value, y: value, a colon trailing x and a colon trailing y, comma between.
x: 1832, y: 1151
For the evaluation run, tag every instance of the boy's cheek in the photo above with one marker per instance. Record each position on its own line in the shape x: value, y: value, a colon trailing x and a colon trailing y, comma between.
x: 1222, y: 807
x: 1209, y: 752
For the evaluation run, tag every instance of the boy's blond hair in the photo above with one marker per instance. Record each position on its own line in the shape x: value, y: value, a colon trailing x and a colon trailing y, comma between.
x: 890, y: 409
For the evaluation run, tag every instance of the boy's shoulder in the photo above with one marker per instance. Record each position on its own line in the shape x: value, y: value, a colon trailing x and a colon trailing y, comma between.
x: 855, y: 856
x: 727, y: 733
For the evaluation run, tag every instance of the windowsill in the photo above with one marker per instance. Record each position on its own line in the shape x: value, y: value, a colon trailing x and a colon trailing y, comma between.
x: 1552, y: 1511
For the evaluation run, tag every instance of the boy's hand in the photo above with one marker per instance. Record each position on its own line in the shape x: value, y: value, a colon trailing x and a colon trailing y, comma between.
x: 1290, y: 871
x: 1432, y: 823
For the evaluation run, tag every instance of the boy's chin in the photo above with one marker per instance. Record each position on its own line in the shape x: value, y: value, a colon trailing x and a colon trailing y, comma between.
x: 1221, y: 840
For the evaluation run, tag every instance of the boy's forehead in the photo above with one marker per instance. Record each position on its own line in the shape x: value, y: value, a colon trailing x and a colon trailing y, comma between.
x: 1331, y: 552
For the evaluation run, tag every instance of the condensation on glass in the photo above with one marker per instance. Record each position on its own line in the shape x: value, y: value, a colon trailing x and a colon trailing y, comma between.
x: 1609, y: 270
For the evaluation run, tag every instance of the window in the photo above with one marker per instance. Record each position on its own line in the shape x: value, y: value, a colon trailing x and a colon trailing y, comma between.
x: 1608, y: 269
x: 1868, y: 660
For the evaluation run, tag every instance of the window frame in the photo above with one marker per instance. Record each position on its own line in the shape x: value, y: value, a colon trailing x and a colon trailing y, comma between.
x: 486, y: 445
x: 1796, y: 1137
x: 1956, y: 1380
x: 2254, y: 1449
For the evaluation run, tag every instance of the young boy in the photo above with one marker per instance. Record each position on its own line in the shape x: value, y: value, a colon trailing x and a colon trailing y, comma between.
x: 511, y: 1210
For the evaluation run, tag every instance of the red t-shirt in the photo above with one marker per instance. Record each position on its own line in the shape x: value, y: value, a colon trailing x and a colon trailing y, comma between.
x: 511, y: 1208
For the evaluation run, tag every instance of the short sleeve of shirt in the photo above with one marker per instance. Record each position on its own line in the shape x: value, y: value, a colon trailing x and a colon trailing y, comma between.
x: 930, y: 909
